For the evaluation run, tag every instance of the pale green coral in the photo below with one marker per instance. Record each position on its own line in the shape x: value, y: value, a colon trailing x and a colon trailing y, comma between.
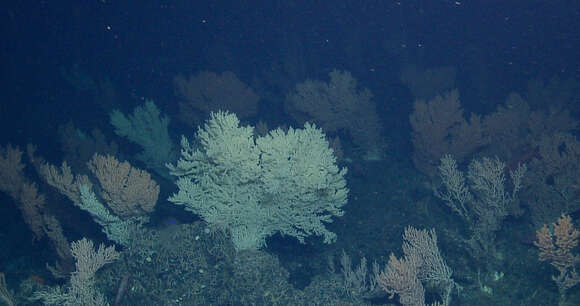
x: 284, y: 182
x: 147, y: 128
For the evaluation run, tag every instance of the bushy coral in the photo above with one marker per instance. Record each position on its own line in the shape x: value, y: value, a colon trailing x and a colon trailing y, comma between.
x: 285, y: 182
